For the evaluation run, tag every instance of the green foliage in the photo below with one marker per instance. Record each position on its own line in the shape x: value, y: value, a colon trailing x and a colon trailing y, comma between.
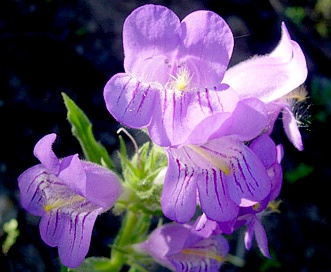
x: 296, y: 14
x: 81, y: 128
x: 11, y: 229
x: 323, y: 12
x: 321, y: 95
x: 139, y: 175
x: 270, y: 264
x: 301, y: 171
x: 96, y: 264
x: 317, y: 16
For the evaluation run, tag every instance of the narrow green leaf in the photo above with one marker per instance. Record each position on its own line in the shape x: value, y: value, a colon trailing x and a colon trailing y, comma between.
x: 81, y: 128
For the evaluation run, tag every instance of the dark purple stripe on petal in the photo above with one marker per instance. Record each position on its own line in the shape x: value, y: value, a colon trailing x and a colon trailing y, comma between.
x: 133, y: 97
x: 207, y: 181
x: 234, y: 173
x: 218, y: 99
x: 174, y: 110
x: 143, y: 99
x: 199, y: 101
x: 249, y: 170
x: 208, y: 101
x: 181, y: 107
x: 216, y: 189
x: 123, y: 90
x: 165, y: 103
x: 83, y: 222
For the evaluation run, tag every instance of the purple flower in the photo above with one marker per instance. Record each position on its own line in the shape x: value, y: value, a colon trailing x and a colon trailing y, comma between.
x: 270, y: 155
x: 252, y: 217
x: 173, y: 73
x: 221, y: 175
x: 183, y: 248
x: 271, y: 78
x: 68, y: 194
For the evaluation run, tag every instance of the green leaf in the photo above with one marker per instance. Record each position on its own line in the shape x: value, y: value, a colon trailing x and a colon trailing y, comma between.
x: 81, y: 128
x: 300, y: 172
x: 95, y: 264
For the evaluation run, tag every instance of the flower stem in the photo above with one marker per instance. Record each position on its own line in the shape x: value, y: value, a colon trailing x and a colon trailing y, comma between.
x: 134, y: 227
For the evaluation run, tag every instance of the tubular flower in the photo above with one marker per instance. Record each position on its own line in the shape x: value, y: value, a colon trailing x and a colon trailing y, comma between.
x: 224, y: 172
x: 184, y: 248
x: 68, y: 194
x: 173, y: 73
x: 272, y: 79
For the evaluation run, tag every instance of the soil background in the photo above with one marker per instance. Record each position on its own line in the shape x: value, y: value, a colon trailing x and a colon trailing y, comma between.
x: 75, y: 46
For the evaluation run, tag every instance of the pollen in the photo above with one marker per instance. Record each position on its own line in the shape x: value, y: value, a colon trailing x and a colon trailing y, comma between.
x: 181, y: 80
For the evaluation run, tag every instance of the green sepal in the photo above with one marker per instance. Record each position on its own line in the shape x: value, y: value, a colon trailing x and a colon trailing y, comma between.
x: 139, y: 174
x: 81, y: 128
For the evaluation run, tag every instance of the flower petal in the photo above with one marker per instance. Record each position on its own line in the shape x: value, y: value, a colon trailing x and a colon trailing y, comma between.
x: 73, y: 175
x: 67, y: 221
x: 221, y: 104
x: 31, y: 183
x: 130, y: 101
x: 246, y: 178
x: 75, y: 239
x: 102, y: 186
x: 276, y: 175
x: 206, y: 255
x: 43, y: 151
x: 165, y: 241
x: 207, y: 47
x: 291, y: 128
x: 180, y: 118
x: 265, y: 149
x: 271, y: 76
x: 249, y: 235
x: 247, y: 121
x: 179, y: 191
x: 213, y: 196
x: 151, y: 35
x: 261, y: 237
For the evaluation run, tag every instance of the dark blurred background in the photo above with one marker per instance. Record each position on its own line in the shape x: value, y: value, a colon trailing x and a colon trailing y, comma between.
x: 75, y: 46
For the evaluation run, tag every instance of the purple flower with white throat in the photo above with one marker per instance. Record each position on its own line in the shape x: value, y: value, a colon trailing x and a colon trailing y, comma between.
x: 186, y: 248
x: 173, y: 73
x: 272, y: 79
x: 68, y: 194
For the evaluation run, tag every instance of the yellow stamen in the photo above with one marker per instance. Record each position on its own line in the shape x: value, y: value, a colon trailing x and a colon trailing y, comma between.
x: 274, y: 205
x: 204, y: 254
x: 210, y: 158
x: 181, y: 80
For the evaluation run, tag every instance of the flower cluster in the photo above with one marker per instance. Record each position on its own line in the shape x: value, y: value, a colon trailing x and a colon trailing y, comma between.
x: 212, y: 122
